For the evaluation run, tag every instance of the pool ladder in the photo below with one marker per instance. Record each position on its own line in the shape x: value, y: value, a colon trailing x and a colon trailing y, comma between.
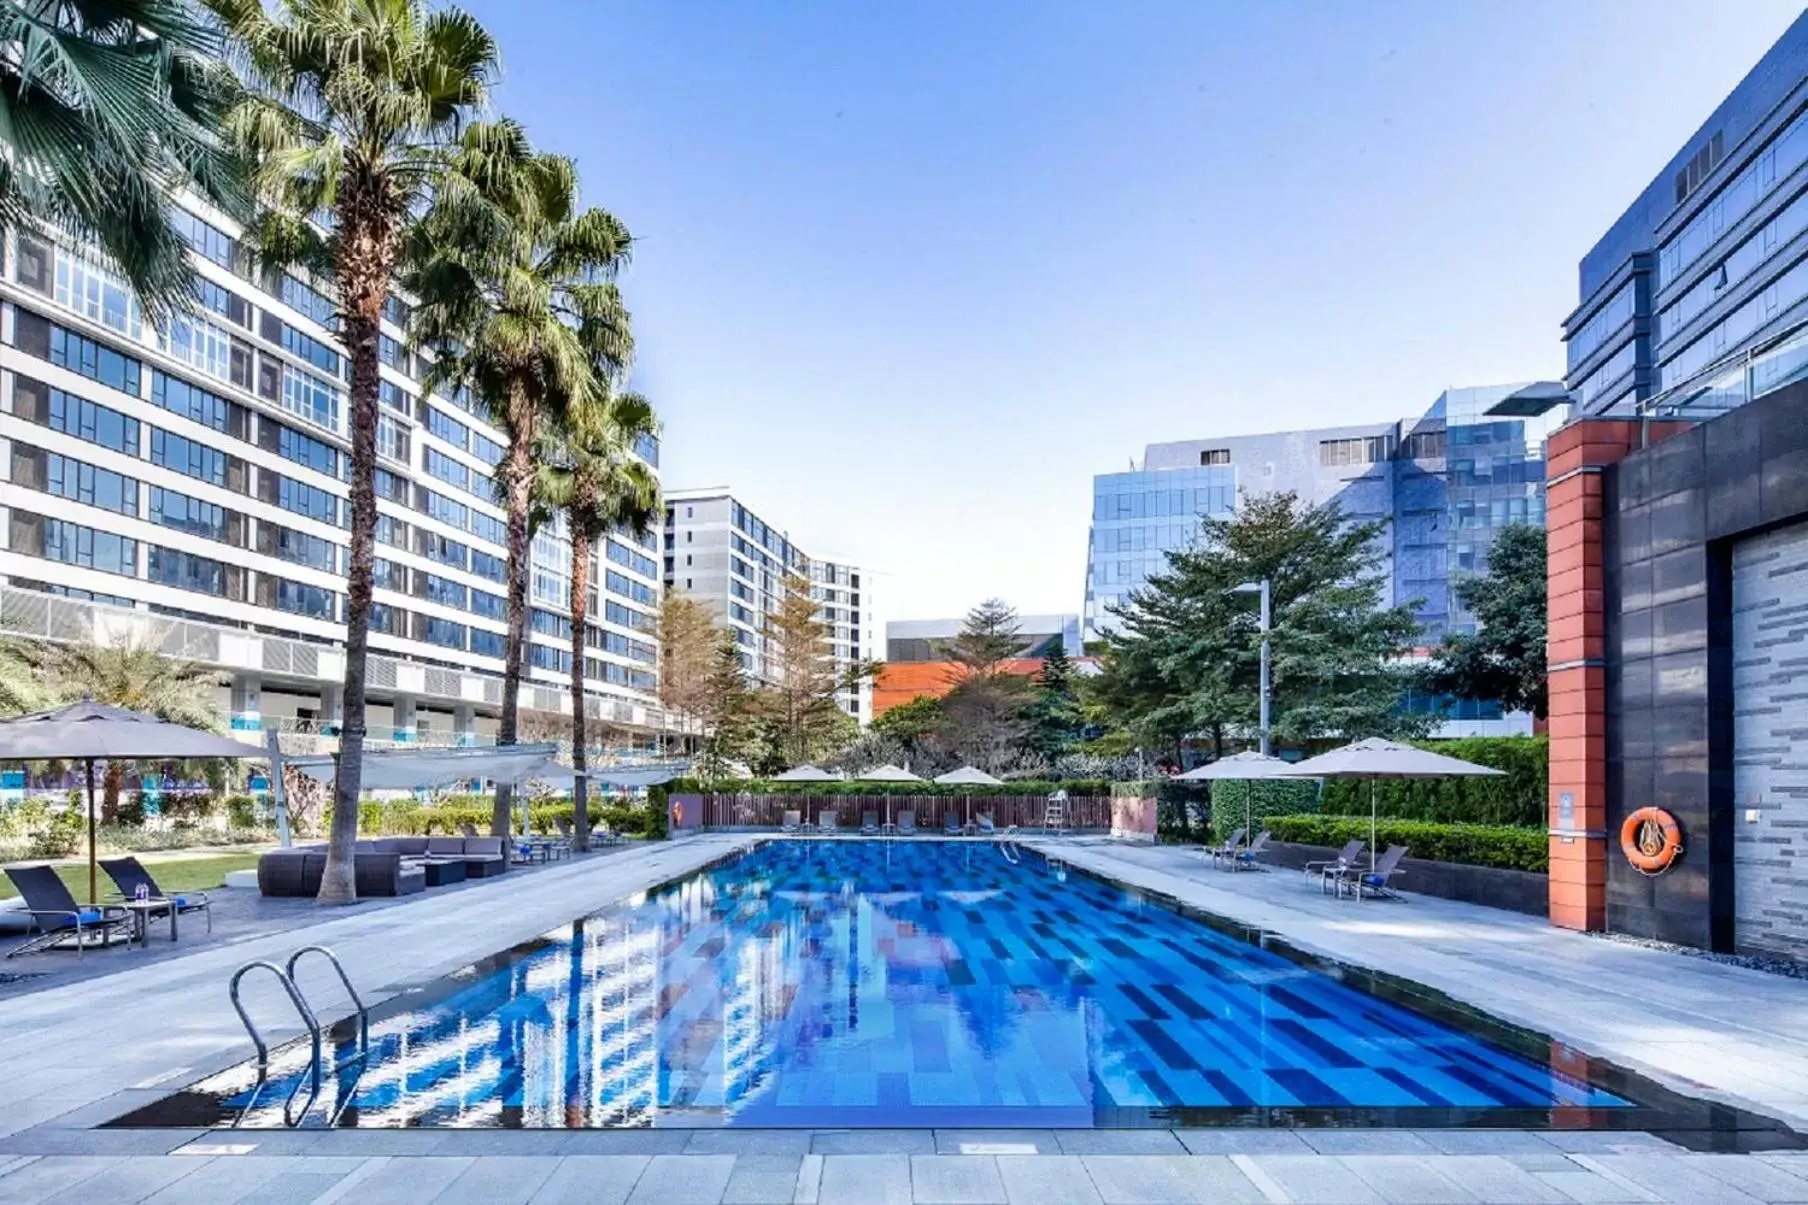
x: 285, y: 976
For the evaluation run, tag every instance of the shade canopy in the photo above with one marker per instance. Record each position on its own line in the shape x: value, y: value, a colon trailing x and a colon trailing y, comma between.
x: 88, y: 730
x: 559, y: 777
x: 805, y: 773
x: 1377, y: 758
x: 1245, y: 765
x: 888, y: 774
x: 408, y: 769
x: 969, y: 776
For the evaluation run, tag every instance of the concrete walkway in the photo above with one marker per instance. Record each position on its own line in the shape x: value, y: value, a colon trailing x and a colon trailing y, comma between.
x: 72, y: 1057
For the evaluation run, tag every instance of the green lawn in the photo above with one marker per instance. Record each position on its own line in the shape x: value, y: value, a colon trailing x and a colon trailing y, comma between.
x: 173, y: 875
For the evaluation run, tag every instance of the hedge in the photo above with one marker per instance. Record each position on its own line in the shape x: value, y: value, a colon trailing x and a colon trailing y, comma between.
x: 766, y: 786
x: 1508, y: 847
x: 404, y: 818
x: 1234, y: 800
x: 1517, y: 799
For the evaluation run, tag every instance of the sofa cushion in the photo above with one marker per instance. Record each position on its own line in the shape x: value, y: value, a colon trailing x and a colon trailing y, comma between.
x: 483, y: 847
x: 445, y: 847
x: 408, y: 847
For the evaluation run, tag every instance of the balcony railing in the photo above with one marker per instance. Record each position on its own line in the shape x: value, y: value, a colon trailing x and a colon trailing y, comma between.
x: 1713, y: 391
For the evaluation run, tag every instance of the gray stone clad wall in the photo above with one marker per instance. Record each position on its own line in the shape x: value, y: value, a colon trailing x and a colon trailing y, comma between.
x: 1770, y: 741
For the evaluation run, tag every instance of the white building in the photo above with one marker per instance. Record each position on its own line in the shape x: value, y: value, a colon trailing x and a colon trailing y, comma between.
x: 189, y: 488
x: 739, y: 566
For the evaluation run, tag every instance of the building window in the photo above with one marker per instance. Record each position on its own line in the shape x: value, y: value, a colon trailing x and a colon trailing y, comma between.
x: 1370, y: 449
x: 189, y: 458
x: 1215, y: 456
x: 93, y: 422
x: 82, y: 355
x: 96, y: 293
x: 299, y: 598
x: 74, y: 544
x: 190, y: 401
x: 190, y: 515
x: 186, y: 571
x: 307, y: 396
x: 80, y: 482
x: 200, y: 344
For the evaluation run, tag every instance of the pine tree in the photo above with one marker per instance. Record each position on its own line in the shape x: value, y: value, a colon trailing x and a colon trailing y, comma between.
x: 1504, y: 661
x: 689, y: 644
x: 800, y: 711
x: 988, y: 638
x: 1054, y: 715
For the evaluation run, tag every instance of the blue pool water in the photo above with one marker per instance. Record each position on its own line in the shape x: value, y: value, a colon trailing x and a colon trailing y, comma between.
x: 816, y: 983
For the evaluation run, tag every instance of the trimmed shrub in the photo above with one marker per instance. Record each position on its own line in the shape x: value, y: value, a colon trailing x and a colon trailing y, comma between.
x: 1181, y: 809
x: 1235, y: 803
x: 1508, y: 847
x: 241, y: 811
x: 1517, y: 799
x: 62, y: 836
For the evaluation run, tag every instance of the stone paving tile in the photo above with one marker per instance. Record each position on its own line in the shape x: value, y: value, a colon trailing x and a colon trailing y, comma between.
x: 295, y: 1188
x: 1366, y: 1142
x: 1407, y: 1179
x: 1046, y: 1180
x: 592, y: 1180
x: 1762, y: 1178
x: 500, y: 1142
x: 362, y: 1142
x: 1545, y: 1161
x: 1589, y: 1188
x: 1608, y: 1142
x: 221, y: 1182
x: 1665, y: 1176
x: 128, y: 1180
x: 1119, y: 1142
x: 1500, y: 1180
x: 809, y: 1180
x: 38, y: 1178
x: 763, y: 1180
x: 865, y: 1180
x: 410, y: 1181
x: 1484, y: 1142
x: 55, y: 1140
x: 1310, y: 1179
x: 500, y: 1180
x: 795, y: 1143
x: 683, y: 1180
x: 872, y: 1142
x: 263, y: 1142
x: 625, y: 1142
x: 1243, y: 1142
x: 1164, y: 1180
x: 996, y: 1142
x: 955, y: 1180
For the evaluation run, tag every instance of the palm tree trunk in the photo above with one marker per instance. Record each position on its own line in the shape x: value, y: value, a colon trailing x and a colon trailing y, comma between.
x: 517, y: 470
x: 111, y: 783
x: 580, y: 760
x: 366, y: 257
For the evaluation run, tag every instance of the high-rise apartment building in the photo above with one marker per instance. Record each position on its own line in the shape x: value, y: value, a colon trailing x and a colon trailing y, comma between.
x: 741, y: 567
x: 1440, y: 484
x: 1690, y: 296
x: 188, y: 487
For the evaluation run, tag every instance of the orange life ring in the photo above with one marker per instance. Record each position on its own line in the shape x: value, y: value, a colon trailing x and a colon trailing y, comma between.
x: 1651, y: 840
x: 677, y: 813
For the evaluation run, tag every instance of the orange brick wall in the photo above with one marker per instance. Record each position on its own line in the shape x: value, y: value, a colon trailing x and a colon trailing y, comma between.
x: 901, y: 681
x: 1575, y: 530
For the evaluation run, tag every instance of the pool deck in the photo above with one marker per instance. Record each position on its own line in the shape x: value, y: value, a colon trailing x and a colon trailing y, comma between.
x: 75, y: 1055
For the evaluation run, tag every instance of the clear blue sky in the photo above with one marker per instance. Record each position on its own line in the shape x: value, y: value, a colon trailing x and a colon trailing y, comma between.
x: 909, y: 274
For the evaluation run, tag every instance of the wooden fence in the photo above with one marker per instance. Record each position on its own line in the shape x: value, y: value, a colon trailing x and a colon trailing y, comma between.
x: 931, y: 811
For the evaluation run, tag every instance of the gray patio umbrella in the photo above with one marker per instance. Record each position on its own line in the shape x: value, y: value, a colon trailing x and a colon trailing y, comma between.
x: 1247, y: 766
x: 805, y: 773
x: 90, y: 732
x: 969, y: 776
x: 1376, y: 758
x: 888, y: 773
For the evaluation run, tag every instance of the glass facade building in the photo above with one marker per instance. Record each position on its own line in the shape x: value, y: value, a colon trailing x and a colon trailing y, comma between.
x: 1704, y: 278
x: 190, y: 487
x: 1440, y: 485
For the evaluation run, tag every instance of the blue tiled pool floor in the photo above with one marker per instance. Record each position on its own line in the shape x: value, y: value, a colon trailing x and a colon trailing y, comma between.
x: 838, y: 983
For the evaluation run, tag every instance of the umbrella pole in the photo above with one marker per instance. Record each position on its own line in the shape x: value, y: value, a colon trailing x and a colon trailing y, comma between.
x: 93, y: 883
x: 1371, y: 826
x: 1249, y: 810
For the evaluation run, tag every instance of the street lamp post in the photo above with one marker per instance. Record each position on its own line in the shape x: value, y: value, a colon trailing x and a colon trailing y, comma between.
x: 1262, y: 588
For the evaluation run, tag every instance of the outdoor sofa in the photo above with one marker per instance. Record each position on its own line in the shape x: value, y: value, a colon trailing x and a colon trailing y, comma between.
x: 388, y: 866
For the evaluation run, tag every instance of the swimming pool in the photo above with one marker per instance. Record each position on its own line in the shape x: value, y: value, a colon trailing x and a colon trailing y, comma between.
x: 913, y: 983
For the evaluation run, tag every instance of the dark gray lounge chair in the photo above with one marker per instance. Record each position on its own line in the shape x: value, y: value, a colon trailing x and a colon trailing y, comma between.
x: 907, y: 824
x: 869, y: 824
x: 129, y: 875
x: 1229, y: 848
x: 1327, y: 869
x: 953, y: 827
x: 826, y: 823
x: 792, y: 822
x: 1246, y: 859
x: 58, y: 918
x: 1378, y: 882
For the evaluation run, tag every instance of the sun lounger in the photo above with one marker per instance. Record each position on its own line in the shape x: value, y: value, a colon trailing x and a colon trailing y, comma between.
x: 986, y: 827
x: 128, y: 875
x: 1246, y: 859
x: 907, y: 824
x: 825, y: 823
x: 953, y: 826
x: 1378, y: 882
x: 792, y: 823
x: 869, y: 824
x: 1229, y: 848
x: 58, y: 918
x: 1327, y: 869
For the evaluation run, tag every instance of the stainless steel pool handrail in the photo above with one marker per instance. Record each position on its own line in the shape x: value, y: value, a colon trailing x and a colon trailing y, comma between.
x: 346, y: 980
x: 263, y: 1048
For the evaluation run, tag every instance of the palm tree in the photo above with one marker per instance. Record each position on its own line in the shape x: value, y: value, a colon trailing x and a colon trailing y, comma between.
x: 132, y: 673
x: 516, y: 299
x: 110, y: 107
x: 592, y: 475
x: 352, y: 111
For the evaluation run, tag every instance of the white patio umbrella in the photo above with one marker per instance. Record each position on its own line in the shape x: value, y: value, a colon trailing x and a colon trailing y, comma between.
x: 1376, y: 758
x: 969, y: 776
x: 888, y: 773
x: 805, y: 773
x: 90, y: 732
x: 1247, y: 766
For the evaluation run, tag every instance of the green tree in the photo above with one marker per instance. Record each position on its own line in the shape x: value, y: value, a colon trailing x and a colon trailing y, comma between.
x: 111, y: 107
x: 517, y: 301
x: 1504, y: 661
x: 800, y: 712
x: 688, y: 646
x: 727, y: 709
x: 989, y: 637
x: 915, y: 725
x: 589, y: 472
x: 1054, y: 712
x: 1185, y: 660
x: 351, y: 111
